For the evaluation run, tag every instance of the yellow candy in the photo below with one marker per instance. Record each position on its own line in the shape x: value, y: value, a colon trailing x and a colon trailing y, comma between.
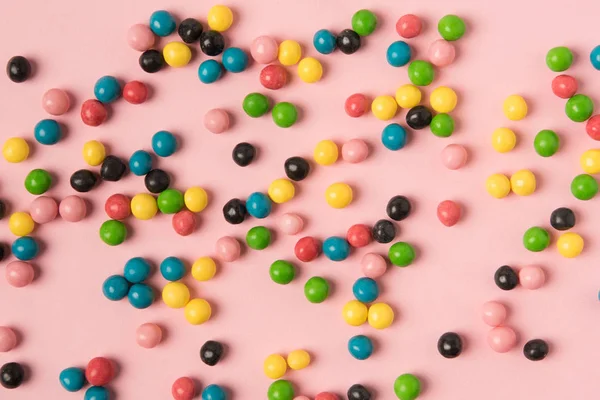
x: 289, y: 52
x: 195, y: 199
x: 503, y: 140
x: 310, y: 70
x: 570, y: 245
x: 204, y: 269
x: 177, y: 54
x: 408, y: 96
x: 219, y: 18
x: 21, y: 224
x: 355, y: 313
x: 326, y: 152
x: 93, y: 153
x: 197, y: 311
x: 498, y: 185
x: 143, y: 206
x: 176, y: 295
x: 275, y: 366
x: 515, y: 107
x: 443, y: 99
x: 590, y: 161
x: 15, y: 150
x: 338, y: 195
x: 380, y: 316
x: 281, y: 190
x: 298, y: 359
x: 384, y: 107
x: 523, y: 182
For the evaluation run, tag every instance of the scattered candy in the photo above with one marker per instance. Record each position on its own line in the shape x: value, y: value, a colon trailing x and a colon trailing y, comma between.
x: 570, y: 245
x: 274, y: 366
x: 143, y: 206
x: 47, y: 132
x: 214, y: 392
x: 234, y: 59
x: 264, y: 49
x: 398, y: 54
x: 93, y: 113
x: 360, y: 347
x: 358, y: 392
x: 419, y: 117
x: 115, y: 288
x: 56, y: 102
x: 454, y: 156
x: 562, y: 219
x: 394, y: 137
x: 559, y: 59
x: 532, y: 277
x: 258, y: 205
x: 148, y: 335
x: 72, y: 379
x: 498, y: 185
x: 584, y: 187
x: 99, y: 371
x: 523, y: 182
x: 151, y: 61
x: 407, y: 387
x: 590, y: 161
x: 324, y: 41
x: 12, y: 375
x: 72, y: 209
x: 493, y: 313
x: 356, y: 105
x: 384, y: 107
x: 595, y: 57
x: 15, y: 150
x: 310, y: 70
x: 204, y: 269
x: 219, y: 18
x: 280, y: 390
x: 579, y: 108
x: 183, y: 389
x: 19, y: 273
x: 506, y: 278
x: 212, y: 43
x: 316, y: 289
x: 298, y: 359
x: 336, y: 248
x: 364, y: 22
x: 503, y: 140
x: 383, y: 231
x: 281, y: 191
x: 401, y: 254
x: 25, y: 248
x: 515, y: 107
x: 358, y: 235
x: 228, y: 249
x: 8, y: 339
x: 409, y: 26
x: 380, y: 315
x: 338, y: 195
x: 113, y: 169
x: 195, y: 199
x: 20, y: 224
x: 536, y: 239
x: 289, y: 52
x: 451, y: 27
x: 190, y: 30
x: 441, y: 53
x: 135, y: 92
x: 373, y: 265
x: 443, y: 99
x: 243, y: 154
x: 258, y: 238
x: 408, y: 96
x: 450, y: 345
x: 282, y: 272
x: 210, y: 71
x: 211, y: 352
x: 113, y: 232
x: 197, y: 311
x: 290, y: 224
x: 284, y: 114
x: 564, y: 86
x: 502, y: 339
x: 273, y: 77
x: 421, y: 73
x: 43, y: 209
x: 442, y: 125
x: 176, y: 295
x: 535, y: 350
x: 348, y: 41
x: 255, y: 105
x: 448, y: 212
x: 355, y: 313
x: 18, y: 69
x: 162, y: 23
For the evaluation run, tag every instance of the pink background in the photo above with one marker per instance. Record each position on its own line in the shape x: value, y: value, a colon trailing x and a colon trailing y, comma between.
x: 64, y: 320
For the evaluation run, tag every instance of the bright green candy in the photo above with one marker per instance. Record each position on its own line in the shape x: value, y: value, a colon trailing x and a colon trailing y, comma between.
x: 442, y: 125
x: 584, y: 187
x: 420, y: 72
x: 579, y: 108
x: 407, y: 387
x: 113, y: 232
x: 559, y: 58
x: 364, y: 22
x: 255, y: 105
x: 536, y: 239
x: 284, y: 114
x: 316, y: 289
x: 282, y: 272
x: 258, y: 238
x: 546, y: 143
x: 170, y: 201
x: 401, y: 254
x: 280, y: 390
x: 451, y: 27
x: 38, y: 181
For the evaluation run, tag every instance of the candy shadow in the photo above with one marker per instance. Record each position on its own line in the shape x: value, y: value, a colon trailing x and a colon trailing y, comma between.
x: 19, y: 335
x: 165, y: 333
x: 65, y: 131
x: 37, y: 273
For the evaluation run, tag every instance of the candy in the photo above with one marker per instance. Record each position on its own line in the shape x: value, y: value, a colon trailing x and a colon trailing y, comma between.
x: 408, y: 96
x: 421, y: 73
x: 290, y: 224
x: 177, y: 54
x: 307, y: 249
x: 338, y: 195
x: 356, y: 105
x: 326, y: 396
x: 258, y: 238
x: 570, y: 245
x: 243, y: 154
x: 584, y: 187
x: 273, y: 77
x: 506, y: 278
x: 148, y: 335
x: 595, y: 57
x: 19, y: 273
x: 523, y: 182
x: 398, y: 54
x: 373, y: 265
x: 212, y: 43
x: 136, y: 270
x: 401, y: 254
x: 451, y: 27
x: 162, y: 23
x: 384, y: 107
x: 97, y: 393
x: 234, y: 211
x: 117, y: 207
x: 83, y: 180
x: 324, y: 41
x: 546, y: 143
x: 175, y: 295
x: 355, y: 151
x: 532, y: 277
x: 20, y: 224
x: 196, y: 199
x: 380, y: 315
x: 47, y: 132
x: 502, y: 339
x: 365, y: 290
x: 25, y: 248
x: 535, y: 350
x: 559, y: 59
x: 358, y: 235
x: 93, y: 112
x: 210, y: 71
x: 216, y: 120
x: 140, y: 296
x: 18, y: 69
x: 310, y: 70
x: 113, y: 169
x: 498, y: 185
x: 383, y: 231
x: 197, y: 311
x: 409, y: 26
x: 579, y: 108
x: 151, y: 61
x: 281, y: 191
x: 326, y: 152
x: 419, y: 117
x: 358, y: 392
x: 164, y: 143
x: 170, y: 201
x: 214, y: 392
x: 72, y: 379
x: 72, y: 209
x: 296, y: 168
x: 503, y: 140
x: 282, y: 272
x: 316, y: 289
x: 564, y: 86
x: 219, y: 18
x: 115, y: 288
x: 227, y: 249
x: 140, y: 162
x: 172, y: 269
x: 364, y: 22
x: 15, y: 150
x: 12, y: 375
x: 441, y: 53
x: 360, y: 347
x: 258, y: 205
x: 289, y: 52
x: 183, y: 389
x: 515, y: 107
x: 298, y: 359
x: 393, y: 137
x: 38, y: 181
x: 454, y: 156
x: 348, y: 41
x: 204, y: 269
x: 99, y: 371
x: 493, y: 313
x: 274, y: 366
x: 143, y: 206
x: 189, y: 30
x: 234, y: 60
x: 336, y: 248
x: 590, y: 161
x: 448, y: 212
x: 450, y: 345
x: 56, y: 102
x: 284, y: 114
x: 407, y: 387
x: 443, y: 99
x: 211, y: 352
x: 264, y: 49
x: 8, y: 339
x: 113, y: 232
x: 536, y: 239
x: 280, y: 390
x: 562, y: 219
x: 442, y: 125
x: 255, y: 105
x: 93, y: 153
x: 107, y: 89
x: 355, y: 313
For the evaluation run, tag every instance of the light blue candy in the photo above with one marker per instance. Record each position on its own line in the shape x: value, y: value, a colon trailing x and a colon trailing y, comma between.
x: 336, y: 248
x: 162, y: 23
x: 324, y: 41
x: 107, y: 89
x: 235, y: 59
x: 72, y: 379
x: 47, y: 132
x: 140, y: 163
x: 365, y: 290
x: 164, y: 143
x: 209, y: 71
x: 172, y: 269
x: 360, y: 347
x: 398, y: 54
x: 258, y: 205
x: 393, y: 137
x: 25, y: 248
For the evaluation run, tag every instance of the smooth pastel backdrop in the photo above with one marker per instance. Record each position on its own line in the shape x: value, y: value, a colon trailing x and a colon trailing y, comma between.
x: 63, y: 320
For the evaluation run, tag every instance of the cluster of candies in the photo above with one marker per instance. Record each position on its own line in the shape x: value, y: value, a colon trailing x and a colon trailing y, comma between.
x: 99, y: 372
x: 569, y: 244
x: 131, y: 284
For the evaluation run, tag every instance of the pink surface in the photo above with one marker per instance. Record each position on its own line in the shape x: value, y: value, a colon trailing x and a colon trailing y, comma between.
x: 63, y: 320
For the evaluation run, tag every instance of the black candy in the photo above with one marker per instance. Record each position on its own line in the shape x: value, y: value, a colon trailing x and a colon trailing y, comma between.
x: 296, y: 168
x: 348, y: 41
x: 243, y: 154
x: 212, y: 43
x: 83, y: 180
x: 235, y: 211
x: 190, y: 30
x: 211, y: 352
x: 383, y: 231
x: 506, y: 278
x: 113, y: 169
x: 358, y: 392
x: 3, y: 252
x: 535, y: 350
x: 562, y: 219
x: 151, y: 61
x: 2, y: 209
x: 18, y: 69
x: 450, y: 345
x: 418, y: 117
x: 398, y: 208
x: 157, y: 181
x: 11, y: 375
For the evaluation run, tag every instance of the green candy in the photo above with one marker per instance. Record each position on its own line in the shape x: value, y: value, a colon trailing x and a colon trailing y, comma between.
x: 170, y: 201
x: 258, y: 238
x: 284, y: 114
x: 255, y: 105
x: 38, y: 181
x: 536, y: 239
x: 407, y: 387
x: 584, y: 187
x: 282, y: 272
x: 364, y: 22
x: 579, y: 108
x: 451, y: 27
x: 113, y: 232
x: 420, y: 72
x: 401, y: 254
x: 280, y: 390
x: 442, y: 125
x: 546, y: 143
x: 316, y: 289
x: 559, y: 59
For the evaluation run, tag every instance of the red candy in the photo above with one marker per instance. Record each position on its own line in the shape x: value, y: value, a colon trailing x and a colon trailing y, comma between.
x: 100, y: 371
x: 356, y: 105
x: 592, y: 127
x: 359, y: 235
x: 117, y: 206
x: 326, y: 396
x: 564, y: 86
x: 409, y: 26
x: 93, y: 113
x: 307, y: 249
x: 183, y: 389
x: 184, y: 222
x: 135, y: 92
x: 273, y: 77
x: 448, y: 212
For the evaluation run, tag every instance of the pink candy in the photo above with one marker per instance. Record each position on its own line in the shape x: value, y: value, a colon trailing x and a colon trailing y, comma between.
x: 409, y: 26
x: 502, y: 339
x: 56, y: 102
x: 264, y: 49
x: 148, y: 335
x: 228, y: 249
x: 8, y: 339
x: 441, y: 53
x: 43, y: 209
x: 290, y: 224
x: 216, y: 120
x: 373, y: 265
x: 493, y: 313
x: 454, y: 156
x: 355, y: 151
x: 140, y: 37
x: 72, y: 208
x: 532, y: 277
x: 19, y: 274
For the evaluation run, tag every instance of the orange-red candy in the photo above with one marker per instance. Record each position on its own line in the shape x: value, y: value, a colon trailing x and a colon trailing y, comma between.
x: 448, y: 212
x: 307, y: 249
x: 184, y: 222
x: 359, y: 235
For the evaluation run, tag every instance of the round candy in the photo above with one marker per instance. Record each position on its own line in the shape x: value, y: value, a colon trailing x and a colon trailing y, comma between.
x: 204, y: 269
x: 348, y: 41
x: 113, y: 169
x: 409, y: 26
x: 227, y: 249
x: 72, y: 209
x: 47, y: 132
x: 12, y: 375
x: 503, y: 140
x: 18, y: 69
x: 364, y: 22
x: 107, y: 89
x: 326, y: 152
x: 258, y: 205
x: 443, y: 99
x: 197, y: 311
x: 355, y: 151
x: 136, y: 270
x: 183, y: 389
x: 442, y: 125
x: 384, y: 107
x: 450, y: 345
x: 502, y: 339
x: 380, y: 316
x: 140, y: 296
x: 358, y: 392
x: 15, y: 150
x: 214, y: 392
x: 175, y: 295
x: 579, y: 108
x: 316, y: 289
x: 234, y: 59
x: 25, y: 248
x: 356, y: 105
x: 56, y: 102
x: 20, y: 224
x: 164, y: 143
x: 564, y: 86
x: 196, y: 199
x: 274, y: 366
x: 298, y: 359
x: 451, y: 27
x: 454, y: 156
x: 273, y: 77
x: 324, y: 41
x: 8, y: 339
x: 448, y: 212
x: 93, y: 153
x: 113, y: 232
x: 532, y: 277
x: 255, y: 105
x: 515, y: 107
x: 418, y: 117
x: 407, y: 387
x: 258, y: 238
x: 338, y: 195
x: 408, y: 96
x: 590, y: 161
x: 151, y: 61
x: 584, y: 187
x: 393, y: 137
x: 365, y: 290
x: 282, y: 272
x: 219, y: 18
x: 43, y: 209
x: 326, y: 396
x: 536, y: 349
x: 359, y: 235
x: 562, y: 219
x: 398, y: 208
x: 559, y: 59
x: 93, y: 112
x: 441, y: 53
x: 536, y: 239
x: 401, y: 254
x: 289, y: 52
x: 38, y: 181
x: 190, y: 30
x: 172, y: 269
x: 99, y: 371
x: 336, y: 248
x: 280, y: 390
x: 216, y: 120
x: 115, y: 288
x: 493, y: 313
x: 243, y: 154
x: 19, y: 273
x: 290, y: 224
x: 421, y: 73
x: 355, y: 313
x: 162, y: 23
x: 523, y: 182
x: 212, y: 43
x: 177, y: 54
x: 284, y: 114
x: 264, y: 49
x: 498, y: 185
x: 307, y: 249
x: 117, y: 206
x: 398, y: 54
x: 210, y: 71
x: 140, y: 162
x: 143, y: 206
x: 157, y: 181
x: 281, y: 191
x: 310, y: 70
x: 211, y: 352
x: 72, y: 379
x: 170, y: 201
x: 570, y: 245
x: 296, y: 168
x: 546, y: 143
x: 360, y: 347
x: 506, y: 278
x: 383, y: 231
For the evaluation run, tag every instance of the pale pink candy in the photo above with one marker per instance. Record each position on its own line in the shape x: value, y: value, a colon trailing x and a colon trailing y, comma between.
x: 264, y: 49
x: 43, y: 209
x: 373, y: 265
x: 72, y: 208
x: 355, y: 151
x: 8, y: 339
x: 441, y: 53
x: 532, y: 277
x: 56, y: 102
x: 148, y: 335
x: 290, y: 224
x: 228, y: 249
x: 19, y: 273
x: 216, y: 120
x: 140, y: 37
x: 502, y: 339
x: 454, y: 156
x: 493, y: 313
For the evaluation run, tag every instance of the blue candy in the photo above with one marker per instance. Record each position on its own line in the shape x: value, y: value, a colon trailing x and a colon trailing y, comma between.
x: 235, y: 59
x: 72, y: 379
x: 595, y: 57
x: 97, y: 393
x: 107, y: 89
x: 209, y: 71
x: 172, y: 269
x: 365, y: 290
x: 47, y: 132
x: 140, y: 163
x: 398, y: 54
x: 324, y: 41
x: 141, y: 296
x: 164, y: 143
x: 136, y: 270
x: 258, y: 205
x: 393, y: 137
x: 214, y: 392
x: 360, y: 347
x: 115, y: 287
x: 336, y: 248
x: 162, y: 23
x: 25, y: 248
